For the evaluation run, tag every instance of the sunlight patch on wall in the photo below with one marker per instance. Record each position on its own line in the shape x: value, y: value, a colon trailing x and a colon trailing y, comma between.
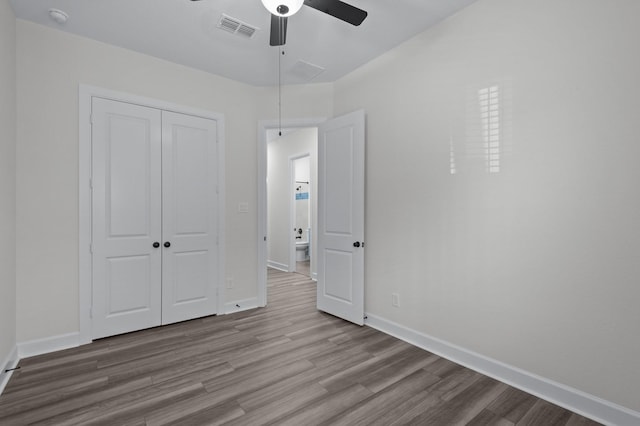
x: 483, y: 143
x: 452, y: 156
x: 489, y: 99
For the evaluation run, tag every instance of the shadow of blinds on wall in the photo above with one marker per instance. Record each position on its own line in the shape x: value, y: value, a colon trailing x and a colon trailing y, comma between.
x: 489, y: 99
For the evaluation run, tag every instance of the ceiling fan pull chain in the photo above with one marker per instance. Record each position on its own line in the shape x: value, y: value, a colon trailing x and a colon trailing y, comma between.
x: 280, y: 53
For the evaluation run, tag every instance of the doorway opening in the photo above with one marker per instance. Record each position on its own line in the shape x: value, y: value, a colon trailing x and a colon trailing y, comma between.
x: 339, y: 242
x: 298, y: 141
x: 301, y: 201
x: 291, y: 204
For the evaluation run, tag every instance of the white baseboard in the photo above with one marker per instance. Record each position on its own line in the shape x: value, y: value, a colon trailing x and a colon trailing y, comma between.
x: 572, y: 399
x: 10, y: 362
x: 48, y: 344
x: 279, y: 266
x: 240, y: 305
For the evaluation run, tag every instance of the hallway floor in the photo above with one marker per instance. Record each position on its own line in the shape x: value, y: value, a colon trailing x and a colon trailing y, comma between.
x: 304, y: 268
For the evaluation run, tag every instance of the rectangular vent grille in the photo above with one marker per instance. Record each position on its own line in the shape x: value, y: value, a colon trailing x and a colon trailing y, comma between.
x: 236, y: 26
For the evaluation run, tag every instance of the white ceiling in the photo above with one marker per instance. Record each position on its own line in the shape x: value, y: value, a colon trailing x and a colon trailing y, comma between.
x: 186, y: 32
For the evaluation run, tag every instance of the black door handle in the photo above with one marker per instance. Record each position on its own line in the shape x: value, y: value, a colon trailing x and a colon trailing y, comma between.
x: 356, y: 244
x: 167, y: 244
x: 156, y: 244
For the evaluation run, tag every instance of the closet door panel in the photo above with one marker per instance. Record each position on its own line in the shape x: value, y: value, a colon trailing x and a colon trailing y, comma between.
x: 126, y: 205
x: 190, y: 222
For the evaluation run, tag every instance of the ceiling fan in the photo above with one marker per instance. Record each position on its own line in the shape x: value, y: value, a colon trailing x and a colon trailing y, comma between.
x: 282, y: 9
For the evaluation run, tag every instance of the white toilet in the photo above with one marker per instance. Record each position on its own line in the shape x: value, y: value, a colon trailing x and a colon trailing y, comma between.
x: 302, y: 248
x: 302, y: 251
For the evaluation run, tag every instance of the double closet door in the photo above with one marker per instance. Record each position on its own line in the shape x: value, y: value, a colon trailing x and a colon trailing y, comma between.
x: 154, y: 217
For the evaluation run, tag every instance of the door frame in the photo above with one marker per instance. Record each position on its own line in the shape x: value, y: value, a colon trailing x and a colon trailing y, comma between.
x: 263, y: 126
x: 85, y: 95
x: 292, y: 206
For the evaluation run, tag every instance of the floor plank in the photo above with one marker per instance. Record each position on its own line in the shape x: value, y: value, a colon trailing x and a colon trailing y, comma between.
x: 285, y: 364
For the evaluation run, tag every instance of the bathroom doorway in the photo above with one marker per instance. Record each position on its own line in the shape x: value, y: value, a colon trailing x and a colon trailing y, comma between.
x: 291, y: 171
x: 301, y: 206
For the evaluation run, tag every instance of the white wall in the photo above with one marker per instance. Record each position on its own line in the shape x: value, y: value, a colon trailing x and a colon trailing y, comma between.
x: 50, y: 66
x: 298, y: 101
x: 7, y: 182
x: 538, y: 265
x: 279, y: 192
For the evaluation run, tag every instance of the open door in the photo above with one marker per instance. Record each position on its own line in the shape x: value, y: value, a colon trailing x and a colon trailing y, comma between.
x: 341, y: 217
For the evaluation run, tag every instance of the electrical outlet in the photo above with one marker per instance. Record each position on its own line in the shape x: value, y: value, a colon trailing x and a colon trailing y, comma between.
x: 395, y: 300
x: 229, y: 283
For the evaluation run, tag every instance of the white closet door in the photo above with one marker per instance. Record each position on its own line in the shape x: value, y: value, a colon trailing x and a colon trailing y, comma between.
x: 190, y: 222
x: 126, y: 203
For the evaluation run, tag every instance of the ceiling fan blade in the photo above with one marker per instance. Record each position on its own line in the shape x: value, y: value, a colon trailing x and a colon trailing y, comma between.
x: 278, y: 30
x: 338, y: 9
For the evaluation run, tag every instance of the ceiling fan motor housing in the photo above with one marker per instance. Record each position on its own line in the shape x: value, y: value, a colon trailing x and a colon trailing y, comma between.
x: 283, y: 8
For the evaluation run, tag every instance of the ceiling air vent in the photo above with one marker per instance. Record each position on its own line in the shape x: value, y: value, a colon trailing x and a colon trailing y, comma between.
x: 236, y: 26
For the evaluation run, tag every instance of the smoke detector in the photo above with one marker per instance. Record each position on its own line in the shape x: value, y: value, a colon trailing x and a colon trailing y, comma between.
x: 58, y: 16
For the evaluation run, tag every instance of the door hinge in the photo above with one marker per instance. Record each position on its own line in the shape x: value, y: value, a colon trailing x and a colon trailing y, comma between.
x: 91, y: 248
x: 90, y: 118
x: 90, y: 183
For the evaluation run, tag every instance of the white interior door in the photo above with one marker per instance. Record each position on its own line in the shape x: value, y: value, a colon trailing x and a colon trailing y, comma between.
x: 155, y: 207
x: 341, y: 217
x: 190, y: 222
x: 126, y: 222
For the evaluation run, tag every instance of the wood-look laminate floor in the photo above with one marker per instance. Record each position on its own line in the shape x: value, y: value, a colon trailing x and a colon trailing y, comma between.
x: 304, y: 267
x: 286, y: 364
